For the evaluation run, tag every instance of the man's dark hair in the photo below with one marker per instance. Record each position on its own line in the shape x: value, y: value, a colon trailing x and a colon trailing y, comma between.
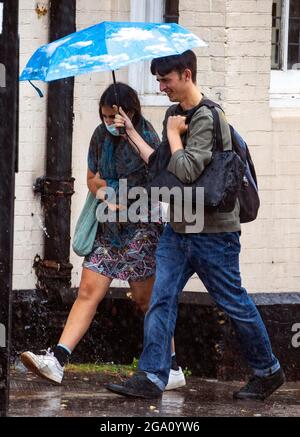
x: 127, y: 97
x: 178, y: 63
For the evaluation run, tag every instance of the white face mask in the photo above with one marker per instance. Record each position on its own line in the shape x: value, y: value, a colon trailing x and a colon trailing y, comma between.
x: 112, y: 129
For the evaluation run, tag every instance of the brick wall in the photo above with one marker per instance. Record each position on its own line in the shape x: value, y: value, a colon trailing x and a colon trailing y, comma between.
x: 28, y: 236
x: 235, y: 71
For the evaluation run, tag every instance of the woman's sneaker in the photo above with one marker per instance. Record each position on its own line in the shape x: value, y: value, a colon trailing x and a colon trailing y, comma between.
x: 176, y: 379
x: 46, y: 366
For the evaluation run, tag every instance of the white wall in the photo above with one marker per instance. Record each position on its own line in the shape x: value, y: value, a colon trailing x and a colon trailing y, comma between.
x: 28, y: 236
x: 234, y: 70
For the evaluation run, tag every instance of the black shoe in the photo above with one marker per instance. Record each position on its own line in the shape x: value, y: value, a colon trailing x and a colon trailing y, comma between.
x: 261, y: 387
x: 138, y: 386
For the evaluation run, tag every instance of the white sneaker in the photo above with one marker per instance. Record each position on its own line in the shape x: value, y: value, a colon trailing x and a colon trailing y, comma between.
x: 47, y: 366
x: 176, y: 379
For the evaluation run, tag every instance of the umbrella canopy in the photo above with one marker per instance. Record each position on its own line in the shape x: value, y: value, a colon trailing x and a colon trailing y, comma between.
x: 108, y: 46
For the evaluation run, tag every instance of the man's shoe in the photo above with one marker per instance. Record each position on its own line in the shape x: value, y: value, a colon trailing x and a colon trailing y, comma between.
x: 261, y: 387
x: 176, y: 379
x: 138, y: 386
x: 47, y: 366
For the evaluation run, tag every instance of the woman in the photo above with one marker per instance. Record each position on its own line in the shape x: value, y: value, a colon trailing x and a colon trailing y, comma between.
x: 123, y: 251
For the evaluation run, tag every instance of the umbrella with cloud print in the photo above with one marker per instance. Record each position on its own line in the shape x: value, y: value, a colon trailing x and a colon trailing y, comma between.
x: 107, y: 46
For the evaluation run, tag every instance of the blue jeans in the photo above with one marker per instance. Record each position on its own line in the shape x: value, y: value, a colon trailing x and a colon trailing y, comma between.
x: 215, y: 258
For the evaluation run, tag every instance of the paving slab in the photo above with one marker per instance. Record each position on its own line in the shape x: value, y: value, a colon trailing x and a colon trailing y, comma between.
x: 85, y: 395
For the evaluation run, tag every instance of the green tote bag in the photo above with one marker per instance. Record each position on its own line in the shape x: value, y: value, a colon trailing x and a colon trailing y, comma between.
x: 86, y: 227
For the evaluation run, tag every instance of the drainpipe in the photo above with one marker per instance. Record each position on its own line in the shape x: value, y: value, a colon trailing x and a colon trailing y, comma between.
x: 57, y: 186
x: 9, y: 71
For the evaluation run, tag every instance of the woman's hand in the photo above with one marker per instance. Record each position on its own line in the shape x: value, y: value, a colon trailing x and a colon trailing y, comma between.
x: 102, y: 182
x: 94, y: 181
x: 176, y: 125
x: 101, y: 194
x: 115, y: 206
x: 122, y: 120
x: 112, y: 206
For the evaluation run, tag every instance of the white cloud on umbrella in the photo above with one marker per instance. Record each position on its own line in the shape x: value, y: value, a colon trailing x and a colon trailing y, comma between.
x: 76, y: 60
x: 158, y: 49
x: 82, y: 44
x: 50, y: 48
x: 132, y: 34
x: 183, y: 38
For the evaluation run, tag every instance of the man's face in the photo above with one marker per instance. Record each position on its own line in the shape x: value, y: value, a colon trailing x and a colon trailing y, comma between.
x: 173, y: 84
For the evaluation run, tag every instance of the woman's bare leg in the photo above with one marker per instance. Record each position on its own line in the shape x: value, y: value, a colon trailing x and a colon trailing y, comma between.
x: 141, y: 294
x: 93, y: 288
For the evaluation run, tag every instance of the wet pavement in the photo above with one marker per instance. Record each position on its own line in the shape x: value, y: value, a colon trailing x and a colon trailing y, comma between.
x: 84, y: 395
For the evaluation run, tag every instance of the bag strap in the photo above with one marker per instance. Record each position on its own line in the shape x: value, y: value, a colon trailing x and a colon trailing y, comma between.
x: 218, y: 139
x: 217, y: 132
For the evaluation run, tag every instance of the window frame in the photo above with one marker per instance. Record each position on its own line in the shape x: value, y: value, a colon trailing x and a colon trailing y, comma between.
x: 153, y: 13
x: 285, y: 83
x: 1, y: 17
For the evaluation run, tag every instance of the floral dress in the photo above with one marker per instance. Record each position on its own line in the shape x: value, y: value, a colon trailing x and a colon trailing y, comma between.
x: 123, y: 251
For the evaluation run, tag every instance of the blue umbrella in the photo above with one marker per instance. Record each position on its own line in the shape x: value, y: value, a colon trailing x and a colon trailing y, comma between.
x: 107, y: 46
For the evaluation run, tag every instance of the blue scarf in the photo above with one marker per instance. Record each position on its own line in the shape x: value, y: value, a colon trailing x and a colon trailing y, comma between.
x: 115, y: 159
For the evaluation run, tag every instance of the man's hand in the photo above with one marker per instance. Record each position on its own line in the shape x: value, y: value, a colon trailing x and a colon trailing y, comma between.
x: 175, y: 128
x: 176, y: 125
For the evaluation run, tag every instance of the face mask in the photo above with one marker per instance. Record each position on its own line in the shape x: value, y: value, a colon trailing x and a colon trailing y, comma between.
x: 112, y: 129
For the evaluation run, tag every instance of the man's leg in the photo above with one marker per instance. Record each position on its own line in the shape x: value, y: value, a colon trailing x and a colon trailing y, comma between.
x: 215, y: 257
x: 172, y: 273
x: 141, y: 294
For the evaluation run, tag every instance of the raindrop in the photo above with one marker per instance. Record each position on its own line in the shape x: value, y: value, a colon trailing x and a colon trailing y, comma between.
x: 41, y: 225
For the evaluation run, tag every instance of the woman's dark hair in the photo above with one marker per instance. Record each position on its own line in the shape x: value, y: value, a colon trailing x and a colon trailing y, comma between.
x: 178, y: 63
x: 127, y: 99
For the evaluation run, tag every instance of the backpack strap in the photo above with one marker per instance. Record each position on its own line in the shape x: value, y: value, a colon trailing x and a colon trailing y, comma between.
x: 218, y: 139
x: 217, y: 132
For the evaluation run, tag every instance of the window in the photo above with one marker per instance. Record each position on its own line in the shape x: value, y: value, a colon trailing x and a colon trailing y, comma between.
x: 285, y: 34
x: 294, y: 34
x: 140, y: 78
x: 285, y: 57
x: 276, y: 34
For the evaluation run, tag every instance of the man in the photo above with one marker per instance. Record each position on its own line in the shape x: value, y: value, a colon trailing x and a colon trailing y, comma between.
x: 213, y: 253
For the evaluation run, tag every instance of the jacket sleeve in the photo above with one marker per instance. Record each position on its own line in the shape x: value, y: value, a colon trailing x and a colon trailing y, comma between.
x: 188, y: 164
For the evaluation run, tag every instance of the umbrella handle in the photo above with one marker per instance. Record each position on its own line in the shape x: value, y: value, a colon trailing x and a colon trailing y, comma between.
x: 122, y: 130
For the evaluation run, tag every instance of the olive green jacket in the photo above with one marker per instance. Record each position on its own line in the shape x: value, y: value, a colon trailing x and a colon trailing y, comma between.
x: 188, y: 164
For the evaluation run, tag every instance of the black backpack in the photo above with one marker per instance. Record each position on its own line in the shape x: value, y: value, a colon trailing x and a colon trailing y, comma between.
x: 248, y: 195
x: 248, y: 191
